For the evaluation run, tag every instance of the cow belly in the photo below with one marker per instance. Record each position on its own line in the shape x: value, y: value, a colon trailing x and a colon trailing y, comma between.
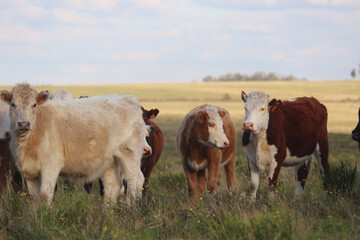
x: 291, y: 161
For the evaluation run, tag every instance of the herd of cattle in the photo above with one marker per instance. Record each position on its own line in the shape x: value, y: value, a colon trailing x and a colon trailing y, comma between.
x: 112, y: 139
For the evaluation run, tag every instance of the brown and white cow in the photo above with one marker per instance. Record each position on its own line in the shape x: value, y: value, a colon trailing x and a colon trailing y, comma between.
x: 85, y: 138
x: 284, y: 133
x: 156, y: 142
x: 7, y: 164
x: 206, y: 139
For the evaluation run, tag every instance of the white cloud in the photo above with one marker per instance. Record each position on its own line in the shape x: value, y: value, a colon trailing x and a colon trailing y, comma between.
x: 35, y: 12
x: 20, y: 33
x: 72, y: 16
x: 134, y: 56
x: 106, y: 5
x: 336, y: 2
x: 13, y: 2
x: 83, y: 69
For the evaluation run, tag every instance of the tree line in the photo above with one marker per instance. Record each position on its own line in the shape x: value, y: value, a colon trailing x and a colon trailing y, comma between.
x: 257, y: 76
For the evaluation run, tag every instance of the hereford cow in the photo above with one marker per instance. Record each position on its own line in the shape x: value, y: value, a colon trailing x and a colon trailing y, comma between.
x: 156, y: 142
x: 7, y: 164
x: 206, y: 138
x: 356, y: 132
x: 284, y: 133
x: 84, y: 138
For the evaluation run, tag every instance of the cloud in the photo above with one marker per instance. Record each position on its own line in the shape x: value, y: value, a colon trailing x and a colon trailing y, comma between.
x: 20, y: 33
x: 71, y: 16
x: 35, y: 12
x: 83, y: 69
x: 94, y: 5
x: 335, y: 2
x: 134, y: 56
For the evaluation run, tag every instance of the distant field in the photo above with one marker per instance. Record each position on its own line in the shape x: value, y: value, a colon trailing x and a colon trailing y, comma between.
x: 174, y: 100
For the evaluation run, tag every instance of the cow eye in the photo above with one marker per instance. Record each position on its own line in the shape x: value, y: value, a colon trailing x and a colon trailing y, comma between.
x: 212, y: 125
x: 34, y: 105
x: 13, y: 105
x: 262, y: 109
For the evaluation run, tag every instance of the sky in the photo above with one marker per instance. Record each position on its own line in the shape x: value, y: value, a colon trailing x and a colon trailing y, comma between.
x: 153, y: 41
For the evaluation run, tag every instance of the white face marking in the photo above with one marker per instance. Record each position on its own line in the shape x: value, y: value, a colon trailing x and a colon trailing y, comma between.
x: 256, y: 110
x: 217, y: 135
x: 292, y: 100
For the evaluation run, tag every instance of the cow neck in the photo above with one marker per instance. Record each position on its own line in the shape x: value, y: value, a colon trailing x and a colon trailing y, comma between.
x: 260, y: 136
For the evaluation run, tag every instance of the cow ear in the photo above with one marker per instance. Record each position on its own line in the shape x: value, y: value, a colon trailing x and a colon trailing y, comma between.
x: 43, y: 96
x: 155, y: 113
x: 244, y: 96
x: 202, y: 117
x: 273, y: 104
x: 6, y: 96
x: 152, y: 113
x: 222, y: 113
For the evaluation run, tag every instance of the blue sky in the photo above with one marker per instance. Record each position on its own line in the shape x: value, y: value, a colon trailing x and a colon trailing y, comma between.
x: 146, y: 41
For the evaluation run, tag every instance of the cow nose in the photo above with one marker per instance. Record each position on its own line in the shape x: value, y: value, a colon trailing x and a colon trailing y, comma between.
x: 226, y: 144
x: 147, y: 151
x: 24, y: 125
x: 248, y: 126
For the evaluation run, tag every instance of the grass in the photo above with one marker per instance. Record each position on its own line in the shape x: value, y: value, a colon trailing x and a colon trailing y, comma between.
x: 165, y: 212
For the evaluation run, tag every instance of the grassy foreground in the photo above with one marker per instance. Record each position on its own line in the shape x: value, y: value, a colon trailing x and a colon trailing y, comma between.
x: 165, y: 212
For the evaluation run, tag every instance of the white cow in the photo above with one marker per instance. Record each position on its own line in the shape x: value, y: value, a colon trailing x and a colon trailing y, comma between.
x: 61, y: 94
x: 84, y: 138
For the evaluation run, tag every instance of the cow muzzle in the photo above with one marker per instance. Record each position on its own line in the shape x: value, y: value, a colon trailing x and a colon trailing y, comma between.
x: 248, y: 126
x: 146, y: 151
x: 23, y: 126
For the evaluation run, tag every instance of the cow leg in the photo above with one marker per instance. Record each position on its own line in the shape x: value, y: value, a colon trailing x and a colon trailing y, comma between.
x: 133, y: 175
x: 214, y: 163
x: 273, y: 175
x: 201, y: 181
x: 230, y: 173
x: 33, y: 186
x: 111, y: 181
x: 301, y: 173
x: 321, y: 154
x: 48, y: 182
x: 254, y: 178
x: 191, y: 179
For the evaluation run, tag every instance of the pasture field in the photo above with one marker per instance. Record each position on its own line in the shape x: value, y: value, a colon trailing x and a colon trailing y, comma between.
x: 165, y: 212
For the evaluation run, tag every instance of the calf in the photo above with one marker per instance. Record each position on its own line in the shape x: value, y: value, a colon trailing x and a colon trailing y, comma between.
x: 356, y: 132
x: 206, y: 139
x: 284, y: 133
x: 85, y: 139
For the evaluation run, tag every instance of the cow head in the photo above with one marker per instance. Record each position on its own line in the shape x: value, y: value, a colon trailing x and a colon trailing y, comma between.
x: 256, y: 111
x: 209, y: 128
x: 23, y: 100
x: 356, y: 132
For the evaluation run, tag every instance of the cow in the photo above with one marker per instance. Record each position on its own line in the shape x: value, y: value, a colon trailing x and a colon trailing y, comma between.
x: 84, y: 138
x: 206, y: 139
x: 61, y: 95
x: 7, y: 164
x: 284, y: 133
x: 156, y: 142
x: 356, y: 132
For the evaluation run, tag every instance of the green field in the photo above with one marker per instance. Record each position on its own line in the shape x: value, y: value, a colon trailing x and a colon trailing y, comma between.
x: 165, y: 212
